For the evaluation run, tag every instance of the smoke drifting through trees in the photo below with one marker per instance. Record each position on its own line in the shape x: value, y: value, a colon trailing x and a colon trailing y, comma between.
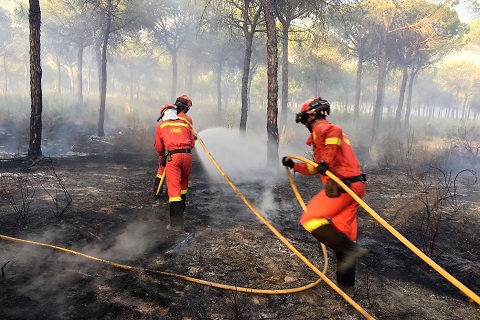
x: 151, y: 55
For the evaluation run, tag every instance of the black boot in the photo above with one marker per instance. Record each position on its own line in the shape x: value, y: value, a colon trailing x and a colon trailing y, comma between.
x: 346, y: 251
x: 176, y: 216
x: 184, y: 200
x: 333, y: 239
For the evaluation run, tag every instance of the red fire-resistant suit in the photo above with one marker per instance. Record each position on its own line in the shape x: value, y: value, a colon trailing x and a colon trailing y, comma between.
x: 183, y: 116
x: 175, y: 136
x: 332, y: 146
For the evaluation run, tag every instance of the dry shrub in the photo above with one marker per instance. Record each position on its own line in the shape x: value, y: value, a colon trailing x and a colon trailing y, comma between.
x: 464, y: 142
x: 136, y: 137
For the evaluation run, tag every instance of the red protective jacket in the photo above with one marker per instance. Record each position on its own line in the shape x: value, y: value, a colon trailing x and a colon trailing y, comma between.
x: 175, y: 136
x: 331, y: 145
x: 182, y: 116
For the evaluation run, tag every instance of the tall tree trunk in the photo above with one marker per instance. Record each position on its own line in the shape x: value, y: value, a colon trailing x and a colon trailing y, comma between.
x: 190, y: 76
x: 5, y: 75
x: 284, y: 110
x: 248, y: 34
x: 272, y: 96
x: 408, y: 108
x: 219, y: 90
x: 103, y: 82
x: 71, y: 74
x: 80, y: 74
x: 59, y: 75
x: 130, y: 83
x: 401, y: 97
x: 358, y: 88
x: 245, y: 77
x: 35, y: 21
x: 173, y: 89
x: 382, y: 74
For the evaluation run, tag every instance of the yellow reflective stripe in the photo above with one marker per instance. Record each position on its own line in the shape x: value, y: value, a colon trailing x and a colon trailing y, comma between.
x: 311, y: 169
x: 173, y: 124
x: 184, y: 191
x: 336, y: 141
x: 315, y: 223
x: 174, y: 199
x: 159, y: 175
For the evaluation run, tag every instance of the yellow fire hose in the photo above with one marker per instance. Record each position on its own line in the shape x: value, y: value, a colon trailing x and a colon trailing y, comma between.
x: 283, y: 239
x: 402, y: 239
x: 162, y: 180
x: 222, y: 286
x: 140, y: 269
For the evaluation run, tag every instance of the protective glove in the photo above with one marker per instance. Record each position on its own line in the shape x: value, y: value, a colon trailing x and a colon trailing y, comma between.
x: 287, y: 163
x: 322, y: 168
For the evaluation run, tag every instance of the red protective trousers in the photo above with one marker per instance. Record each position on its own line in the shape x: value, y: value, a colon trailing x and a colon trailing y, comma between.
x: 175, y: 136
x: 178, y: 173
x: 341, y: 211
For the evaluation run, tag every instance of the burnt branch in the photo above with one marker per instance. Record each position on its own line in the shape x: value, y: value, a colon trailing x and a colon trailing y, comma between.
x: 240, y: 304
x: 437, y: 191
x: 19, y: 193
x: 62, y: 200
x: 3, y: 273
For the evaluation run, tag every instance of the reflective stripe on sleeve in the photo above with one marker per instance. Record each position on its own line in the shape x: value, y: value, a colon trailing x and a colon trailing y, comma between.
x: 336, y: 141
x: 314, y: 224
x: 174, y: 199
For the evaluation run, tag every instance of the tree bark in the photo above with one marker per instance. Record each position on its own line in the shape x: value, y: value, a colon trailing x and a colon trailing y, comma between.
x: 272, y: 96
x: 103, y: 76
x: 59, y: 75
x: 248, y: 33
x: 219, y: 90
x: 5, y: 75
x: 284, y: 110
x: 358, y: 88
x: 174, y: 75
x: 408, y: 108
x: 80, y: 74
x: 401, y: 97
x: 382, y: 73
x: 245, y: 77
x: 34, y: 17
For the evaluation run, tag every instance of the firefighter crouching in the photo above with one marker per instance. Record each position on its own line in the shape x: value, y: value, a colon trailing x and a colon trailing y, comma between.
x: 174, y: 142
x: 331, y: 215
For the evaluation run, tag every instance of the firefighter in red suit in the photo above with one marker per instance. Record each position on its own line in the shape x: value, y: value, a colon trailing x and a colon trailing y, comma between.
x: 331, y: 215
x: 183, y: 104
x: 174, y: 141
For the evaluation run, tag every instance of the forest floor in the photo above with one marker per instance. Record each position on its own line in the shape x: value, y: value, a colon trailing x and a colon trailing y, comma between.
x: 114, y: 216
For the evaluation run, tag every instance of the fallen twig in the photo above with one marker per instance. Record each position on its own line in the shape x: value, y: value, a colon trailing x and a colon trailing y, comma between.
x: 3, y: 273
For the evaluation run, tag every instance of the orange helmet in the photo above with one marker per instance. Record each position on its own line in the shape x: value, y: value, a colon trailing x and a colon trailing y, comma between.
x: 183, y: 102
x: 164, y: 108
x: 313, y: 106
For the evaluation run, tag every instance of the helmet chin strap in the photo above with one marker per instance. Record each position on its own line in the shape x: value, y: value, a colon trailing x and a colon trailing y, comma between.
x: 309, y: 124
x: 315, y: 118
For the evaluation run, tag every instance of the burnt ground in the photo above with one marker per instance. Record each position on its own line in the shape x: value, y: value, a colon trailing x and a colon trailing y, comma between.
x: 114, y: 216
